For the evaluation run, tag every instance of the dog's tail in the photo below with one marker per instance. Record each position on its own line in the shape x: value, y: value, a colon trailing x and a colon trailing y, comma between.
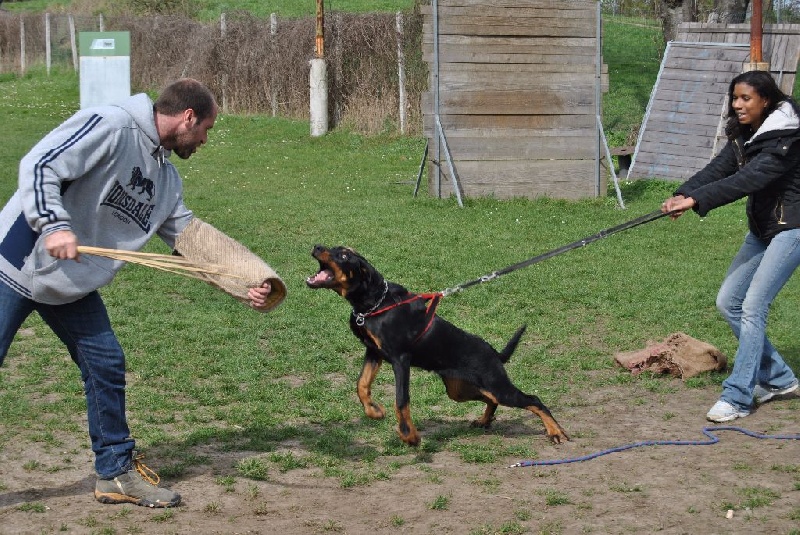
x: 512, y: 344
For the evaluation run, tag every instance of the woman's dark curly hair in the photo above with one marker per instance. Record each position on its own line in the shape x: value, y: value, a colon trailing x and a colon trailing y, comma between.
x: 764, y: 84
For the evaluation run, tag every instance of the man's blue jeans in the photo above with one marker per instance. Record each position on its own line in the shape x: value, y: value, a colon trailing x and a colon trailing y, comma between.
x: 758, y: 272
x: 85, y: 329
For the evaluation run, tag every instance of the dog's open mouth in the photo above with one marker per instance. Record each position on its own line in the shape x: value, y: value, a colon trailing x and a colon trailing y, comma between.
x: 322, y: 279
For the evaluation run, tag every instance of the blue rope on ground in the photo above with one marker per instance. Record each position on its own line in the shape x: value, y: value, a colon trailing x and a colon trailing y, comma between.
x: 706, y: 431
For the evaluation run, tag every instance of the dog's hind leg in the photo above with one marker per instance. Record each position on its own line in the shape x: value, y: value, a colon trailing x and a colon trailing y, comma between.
x: 460, y: 390
x: 364, y: 388
x: 513, y: 397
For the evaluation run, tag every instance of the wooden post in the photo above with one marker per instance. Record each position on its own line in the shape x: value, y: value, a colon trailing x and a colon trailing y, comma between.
x: 223, y: 26
x: 756, y: 32
x: 273, y: 32
x: 47, y: 52
x: 318, y: 81
x: 401, y: 72
x: 22, y: 45
x: 101, y: 23
x: 320, y: 37
x: 72, y: 43
x: 756, y: 37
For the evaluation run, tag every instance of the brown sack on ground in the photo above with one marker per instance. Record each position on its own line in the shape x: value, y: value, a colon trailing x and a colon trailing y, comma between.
x: 679, y: 355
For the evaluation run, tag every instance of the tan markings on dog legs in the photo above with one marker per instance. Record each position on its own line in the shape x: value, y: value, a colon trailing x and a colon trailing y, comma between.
x: 554, y: 431
x: 375, y: 339
x: 405, y: 427
x: 486, y: 420
x: 368, y: 373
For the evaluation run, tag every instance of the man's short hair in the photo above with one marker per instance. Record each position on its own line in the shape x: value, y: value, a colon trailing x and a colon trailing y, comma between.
x: 183, y: 94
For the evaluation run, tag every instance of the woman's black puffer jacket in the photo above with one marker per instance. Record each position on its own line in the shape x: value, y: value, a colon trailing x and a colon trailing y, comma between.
x: 766, y: 170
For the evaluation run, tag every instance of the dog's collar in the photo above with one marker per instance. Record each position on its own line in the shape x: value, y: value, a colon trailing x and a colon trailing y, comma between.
x: 361, y: 316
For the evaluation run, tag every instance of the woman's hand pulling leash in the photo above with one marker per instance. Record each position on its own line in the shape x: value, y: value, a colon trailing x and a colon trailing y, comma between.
x: 676, y: 206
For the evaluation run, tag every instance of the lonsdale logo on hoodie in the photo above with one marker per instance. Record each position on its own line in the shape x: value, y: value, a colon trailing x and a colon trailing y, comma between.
x: 128, y: 204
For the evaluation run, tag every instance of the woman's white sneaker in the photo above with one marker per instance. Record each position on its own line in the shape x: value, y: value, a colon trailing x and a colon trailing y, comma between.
x: 722, y: 411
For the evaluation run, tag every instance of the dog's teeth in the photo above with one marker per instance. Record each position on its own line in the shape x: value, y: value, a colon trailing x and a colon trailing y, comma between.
x: 322, y: 276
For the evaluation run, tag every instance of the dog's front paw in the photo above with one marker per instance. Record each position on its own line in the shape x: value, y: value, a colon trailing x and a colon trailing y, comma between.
x: 374, y: 411
x: 412, y: 437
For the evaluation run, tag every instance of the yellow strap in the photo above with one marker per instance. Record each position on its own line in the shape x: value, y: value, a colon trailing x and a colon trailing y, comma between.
x: 146, y: 472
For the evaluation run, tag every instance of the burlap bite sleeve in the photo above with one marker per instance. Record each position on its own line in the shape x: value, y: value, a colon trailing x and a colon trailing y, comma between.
x: 240, y: 269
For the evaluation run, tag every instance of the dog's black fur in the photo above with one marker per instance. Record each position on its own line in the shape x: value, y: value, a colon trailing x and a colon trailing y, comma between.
x: 400, y: 328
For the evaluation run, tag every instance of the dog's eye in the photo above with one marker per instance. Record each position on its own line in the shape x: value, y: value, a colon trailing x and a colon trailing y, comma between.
x: 344, y: 256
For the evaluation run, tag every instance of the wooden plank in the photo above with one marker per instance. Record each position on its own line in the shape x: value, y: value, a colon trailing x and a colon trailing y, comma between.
x: 702, y: 92
x: 526, y: 43
x: 689, y: 147
x: 688, y: 29
x: 686, y: 106
x: 662, y: 171
x: 672, y: 127
x: 483, y: 56
x: 511, y: 81
x: 509, y: 123
x: 540, y: 70
x: 564, y: 179
x: 702, y: 51
x: 696, y: 64
x: 569, y: 133
x: 510, y: 148
x: 539, y: 28
x: 512, y: 102
x: 576, y: 11
x: 549, y: 5
x: 681, y: 120
x: 695, y: 76
x: 780, y: 42
x: 694, y: 163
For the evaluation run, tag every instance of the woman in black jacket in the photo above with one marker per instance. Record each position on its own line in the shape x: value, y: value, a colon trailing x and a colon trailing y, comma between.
x: 761, y: 161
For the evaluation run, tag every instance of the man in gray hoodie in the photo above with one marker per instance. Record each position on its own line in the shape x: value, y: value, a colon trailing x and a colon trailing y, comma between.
x: 102, y: 178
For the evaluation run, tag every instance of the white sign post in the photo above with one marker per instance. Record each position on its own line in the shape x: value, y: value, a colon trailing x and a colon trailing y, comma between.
x: 105, y: 67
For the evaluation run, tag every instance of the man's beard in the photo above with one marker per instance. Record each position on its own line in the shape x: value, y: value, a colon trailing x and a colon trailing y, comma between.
x: 183, y: 152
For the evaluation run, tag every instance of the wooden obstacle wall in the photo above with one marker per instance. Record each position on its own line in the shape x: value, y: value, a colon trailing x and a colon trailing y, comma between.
x: 683, y: 127
x: 518, y: 84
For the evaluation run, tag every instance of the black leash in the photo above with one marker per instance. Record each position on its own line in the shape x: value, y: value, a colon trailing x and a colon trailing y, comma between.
x: 574, y: 245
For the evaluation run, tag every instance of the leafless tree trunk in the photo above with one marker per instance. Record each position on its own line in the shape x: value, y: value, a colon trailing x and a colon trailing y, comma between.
x: 673, y: 12
x: 730, y: 11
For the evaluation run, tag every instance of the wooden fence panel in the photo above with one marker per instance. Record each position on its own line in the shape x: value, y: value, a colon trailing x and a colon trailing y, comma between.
x: 518, y: 83
x: 679, y: 134
x: 780, y: 44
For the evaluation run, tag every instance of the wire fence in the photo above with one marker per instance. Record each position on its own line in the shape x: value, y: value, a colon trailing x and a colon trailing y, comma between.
x: 375, y: 67
x: 253, y: 65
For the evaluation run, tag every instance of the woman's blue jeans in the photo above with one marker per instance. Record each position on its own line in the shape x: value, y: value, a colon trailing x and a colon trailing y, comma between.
x: 758, y: 272
x: 85, y: 329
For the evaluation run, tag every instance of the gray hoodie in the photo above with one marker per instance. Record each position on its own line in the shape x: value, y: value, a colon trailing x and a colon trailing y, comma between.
x: 102, y: 174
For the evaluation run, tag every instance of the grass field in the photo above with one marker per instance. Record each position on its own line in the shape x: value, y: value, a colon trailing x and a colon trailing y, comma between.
x: 201, y: 364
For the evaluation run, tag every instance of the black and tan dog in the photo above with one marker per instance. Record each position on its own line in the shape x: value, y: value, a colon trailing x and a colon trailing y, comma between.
x: 403, y: 329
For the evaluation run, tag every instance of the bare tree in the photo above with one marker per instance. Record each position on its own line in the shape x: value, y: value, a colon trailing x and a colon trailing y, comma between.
x: 674, y: 12
x: 731, y: 11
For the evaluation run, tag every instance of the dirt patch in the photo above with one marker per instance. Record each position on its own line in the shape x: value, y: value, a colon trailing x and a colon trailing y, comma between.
x: 671, y: 489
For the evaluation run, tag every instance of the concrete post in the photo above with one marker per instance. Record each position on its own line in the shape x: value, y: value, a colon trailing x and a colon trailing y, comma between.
x: 319, y: 97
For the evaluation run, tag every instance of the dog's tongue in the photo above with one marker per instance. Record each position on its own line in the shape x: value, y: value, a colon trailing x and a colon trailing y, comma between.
x: 322, y: 276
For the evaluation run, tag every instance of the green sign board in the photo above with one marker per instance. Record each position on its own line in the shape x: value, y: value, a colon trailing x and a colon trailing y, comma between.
x: 105, y: 44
